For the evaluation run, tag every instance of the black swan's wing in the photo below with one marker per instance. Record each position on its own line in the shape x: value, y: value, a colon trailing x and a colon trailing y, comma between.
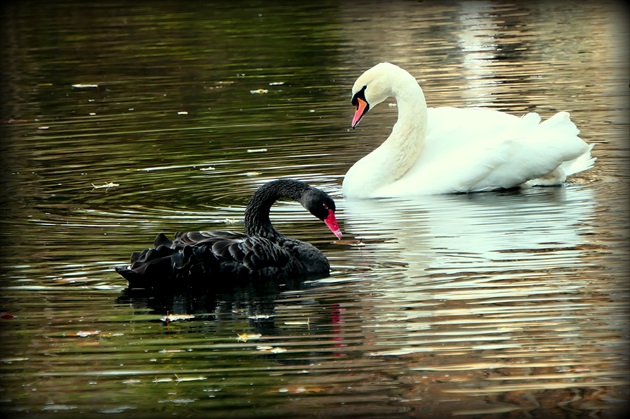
x: 237, y: 250
x: 196, y: 256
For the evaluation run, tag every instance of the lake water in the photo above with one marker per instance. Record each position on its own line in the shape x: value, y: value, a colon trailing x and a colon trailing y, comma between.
x: 123, y: 120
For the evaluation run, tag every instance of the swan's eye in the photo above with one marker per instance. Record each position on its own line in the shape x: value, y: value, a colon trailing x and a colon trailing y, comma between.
x: 359, y: 95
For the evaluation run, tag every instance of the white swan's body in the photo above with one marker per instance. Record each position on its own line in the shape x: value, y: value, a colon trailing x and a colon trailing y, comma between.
x: 451, y: 150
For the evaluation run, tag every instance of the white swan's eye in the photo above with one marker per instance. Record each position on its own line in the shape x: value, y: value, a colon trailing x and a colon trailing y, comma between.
x: 359, y: 95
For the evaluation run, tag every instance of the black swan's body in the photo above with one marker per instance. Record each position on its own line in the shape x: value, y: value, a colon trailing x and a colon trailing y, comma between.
x: 196, y: 258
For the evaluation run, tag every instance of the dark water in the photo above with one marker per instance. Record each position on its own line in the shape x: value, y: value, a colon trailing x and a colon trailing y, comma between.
x: 123, y: 120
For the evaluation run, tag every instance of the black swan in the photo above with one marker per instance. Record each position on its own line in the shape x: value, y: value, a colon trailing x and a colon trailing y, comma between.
x: 196, y: 258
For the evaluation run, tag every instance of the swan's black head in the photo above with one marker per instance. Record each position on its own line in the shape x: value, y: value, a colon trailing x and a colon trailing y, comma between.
x: 317, y: 202
x: 322, y: 206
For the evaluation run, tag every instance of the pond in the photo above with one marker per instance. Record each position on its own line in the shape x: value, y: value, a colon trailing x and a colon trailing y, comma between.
x: 120, y: 121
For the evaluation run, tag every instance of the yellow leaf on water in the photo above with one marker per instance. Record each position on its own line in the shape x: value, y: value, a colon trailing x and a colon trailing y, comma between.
x: 244, y: 337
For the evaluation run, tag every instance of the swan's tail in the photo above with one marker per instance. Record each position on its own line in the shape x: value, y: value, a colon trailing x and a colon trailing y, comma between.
x: 580, y: 164
x: 559, y: 137
x: 569, y: 134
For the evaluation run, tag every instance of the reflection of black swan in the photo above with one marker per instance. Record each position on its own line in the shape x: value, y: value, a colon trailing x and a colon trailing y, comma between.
x: 191, y: 259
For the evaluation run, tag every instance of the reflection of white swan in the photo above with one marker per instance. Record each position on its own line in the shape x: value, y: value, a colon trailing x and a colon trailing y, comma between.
x: 444, y: 271
x: 446, y: 150
x: 476, y: 230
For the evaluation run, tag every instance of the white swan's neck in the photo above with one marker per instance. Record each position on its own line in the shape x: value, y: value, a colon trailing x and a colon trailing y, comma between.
x: 408, y: 135
x: 392, y: 159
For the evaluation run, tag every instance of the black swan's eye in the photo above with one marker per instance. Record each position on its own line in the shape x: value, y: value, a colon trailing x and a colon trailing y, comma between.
x: 329, y: 205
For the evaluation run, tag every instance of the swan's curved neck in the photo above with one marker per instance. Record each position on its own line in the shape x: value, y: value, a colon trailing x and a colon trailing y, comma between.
x: 257, y: 222
x: 408, y: 135
x: 401, y: 150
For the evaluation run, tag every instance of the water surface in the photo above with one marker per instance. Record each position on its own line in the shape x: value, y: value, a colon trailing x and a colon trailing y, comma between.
x: 121, y: 121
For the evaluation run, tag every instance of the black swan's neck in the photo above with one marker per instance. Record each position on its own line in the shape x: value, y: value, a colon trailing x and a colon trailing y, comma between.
x: 257, y: 222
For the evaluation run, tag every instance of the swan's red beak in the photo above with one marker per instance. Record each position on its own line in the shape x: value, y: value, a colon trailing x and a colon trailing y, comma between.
x: 362, y: 107
x: 331, y: 222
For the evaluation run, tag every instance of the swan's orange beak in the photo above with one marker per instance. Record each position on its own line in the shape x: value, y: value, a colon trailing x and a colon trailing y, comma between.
x: 331, y: 222
x: 362, y: 107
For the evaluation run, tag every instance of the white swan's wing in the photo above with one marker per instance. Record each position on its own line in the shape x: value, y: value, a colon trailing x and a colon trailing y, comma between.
x: 480, y: 149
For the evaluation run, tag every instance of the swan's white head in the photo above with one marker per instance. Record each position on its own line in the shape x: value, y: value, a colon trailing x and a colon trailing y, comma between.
x: 374, y: 86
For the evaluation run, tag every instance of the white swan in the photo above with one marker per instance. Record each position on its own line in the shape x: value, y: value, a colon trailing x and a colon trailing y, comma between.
x: 451, y: 150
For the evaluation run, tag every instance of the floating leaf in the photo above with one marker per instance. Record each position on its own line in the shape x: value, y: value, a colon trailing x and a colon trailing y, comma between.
x: 14, y: 359
x: 179, y: 380
x: 86, y: 333
x: 271, y: 349
x: 176, y: 317
x: 300, y: 389
x: 244, y: 337
x: 105, y: 185
x: 131, y: 381
x: 6, y: 315
x: 260, y: 316
x: 295, y: 323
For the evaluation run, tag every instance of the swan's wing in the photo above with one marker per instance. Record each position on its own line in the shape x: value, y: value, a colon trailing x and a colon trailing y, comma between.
x: 203, y: 255
x: 538, y: 150
x: 482, y: 149
x: 232, y: 251
x: 252, y: 253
